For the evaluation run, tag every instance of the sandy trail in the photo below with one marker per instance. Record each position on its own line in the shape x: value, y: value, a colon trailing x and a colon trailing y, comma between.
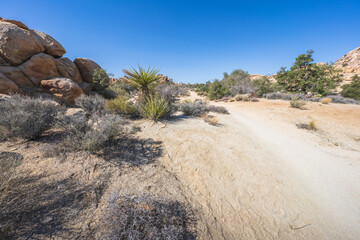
x: 255, y: 178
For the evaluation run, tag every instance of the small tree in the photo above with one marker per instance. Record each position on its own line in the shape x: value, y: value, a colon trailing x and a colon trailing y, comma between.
x: 143, y: 80
x: 217, y: 90
x: 352, y: 90
x: 306, y: 76
x: 262, y: 85
x: 101, y: 80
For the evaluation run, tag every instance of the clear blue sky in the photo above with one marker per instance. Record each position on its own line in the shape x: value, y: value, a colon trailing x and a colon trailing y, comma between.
x: 194, y: 41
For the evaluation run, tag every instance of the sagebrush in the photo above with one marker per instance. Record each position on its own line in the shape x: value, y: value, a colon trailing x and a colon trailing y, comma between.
x: 25, y: 117
x: 145, y: 216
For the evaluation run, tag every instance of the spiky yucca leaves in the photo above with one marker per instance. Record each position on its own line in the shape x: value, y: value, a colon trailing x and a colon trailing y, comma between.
x: 143, y: 80
x: 155, y: 108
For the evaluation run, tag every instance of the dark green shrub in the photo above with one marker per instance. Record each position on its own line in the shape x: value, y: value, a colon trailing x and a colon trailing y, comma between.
x: 217, y: 90
x: 306, y: 76
x: 262, y: 86
x: 352, y: 90
x: 26, y: 118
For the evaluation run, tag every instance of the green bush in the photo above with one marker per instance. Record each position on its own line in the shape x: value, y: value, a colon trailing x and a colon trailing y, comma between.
x: 122, y: 106
x: 262, y: 86
x: 25, y: 117
x: 352, y: 90
x: 306, y: 76
x: 217, y: 90
x: 155, y: 108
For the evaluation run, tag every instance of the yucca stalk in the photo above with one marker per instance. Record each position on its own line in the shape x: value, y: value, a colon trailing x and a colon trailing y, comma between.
x: 143, y: 80
x: 155, y: 108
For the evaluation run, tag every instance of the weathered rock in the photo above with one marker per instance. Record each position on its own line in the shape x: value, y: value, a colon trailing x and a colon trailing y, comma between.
x: 75, y: 112
x: 87, y: 68
x: 52, y: 47
x: 39, y: 67
x: 7, y: 86
x: 86, y: 87
x: 15, y: 75
x: 3, y: 62
x: 17, y: 44
x: 17, y: 23
x: 66, y: 89
x: 67, y: 69
x: 349, y: 64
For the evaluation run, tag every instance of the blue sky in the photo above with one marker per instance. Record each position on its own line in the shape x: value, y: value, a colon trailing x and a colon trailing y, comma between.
x: 194, y: 41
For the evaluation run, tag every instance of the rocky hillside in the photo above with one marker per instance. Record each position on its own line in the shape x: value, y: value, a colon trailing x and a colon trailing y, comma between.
x: 349, y: 64
x: 32, y: 63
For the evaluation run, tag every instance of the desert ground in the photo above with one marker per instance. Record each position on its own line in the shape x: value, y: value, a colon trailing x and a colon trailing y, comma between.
x: 253, y: 176
x: 257, y: 176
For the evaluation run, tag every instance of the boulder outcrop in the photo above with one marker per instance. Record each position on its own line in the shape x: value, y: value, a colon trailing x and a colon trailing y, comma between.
x: 52, y: 47
x: 32, y: 63
x: 7, y: 86
x: 17, y: 44
x: 87, y: 68
x: 63, y: 88
x: 349, y: 64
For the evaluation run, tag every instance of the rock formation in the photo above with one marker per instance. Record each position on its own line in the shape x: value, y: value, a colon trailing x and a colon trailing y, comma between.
x: 32, y: 63
x: 349, y: 64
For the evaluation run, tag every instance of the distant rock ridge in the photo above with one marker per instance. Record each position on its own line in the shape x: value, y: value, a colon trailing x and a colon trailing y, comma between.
x: 349, y: 64
x: 32, y: 63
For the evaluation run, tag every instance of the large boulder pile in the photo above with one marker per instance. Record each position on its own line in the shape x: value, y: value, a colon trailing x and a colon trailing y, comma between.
x: 349, y: 64
x: 32, y: 63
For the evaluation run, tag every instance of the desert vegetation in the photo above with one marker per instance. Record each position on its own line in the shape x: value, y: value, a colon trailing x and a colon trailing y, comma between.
x: 305, y: 79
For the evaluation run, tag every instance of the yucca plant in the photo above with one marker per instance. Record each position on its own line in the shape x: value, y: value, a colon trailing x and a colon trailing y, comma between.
x: 143, y: 80
x: 155, y: 108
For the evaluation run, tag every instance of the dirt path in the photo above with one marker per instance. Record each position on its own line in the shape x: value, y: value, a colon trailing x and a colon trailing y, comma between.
x: 259, y: 177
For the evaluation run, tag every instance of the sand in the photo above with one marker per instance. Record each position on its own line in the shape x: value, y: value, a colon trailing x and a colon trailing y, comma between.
x: 257, y: 176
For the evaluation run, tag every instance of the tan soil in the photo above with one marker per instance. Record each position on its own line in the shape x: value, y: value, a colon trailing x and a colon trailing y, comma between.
x: 253, y: 176
x: 257, y: 176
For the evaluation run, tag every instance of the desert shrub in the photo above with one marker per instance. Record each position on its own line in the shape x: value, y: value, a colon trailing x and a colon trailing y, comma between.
x: 101, y: 80
x: 193, y: 108
x: 143, y: 80
x: 297, y: 103
x: 312, y: 125
x: 306, y: 76
x: 217, y: 90
x: 155, y: 108
x: 262, y: 86
x: 27, y: 118
x: 121, y: 105
x: 326, y: 100
x: 90, y: 134
x: 123, y: 89
x: 217, y: 109
x: 343, y: 100
x: 92, y: 104
x: 8, y: 163
x: 169, y: 92
x: 145, y: 217
x: 212, y: 120
x: 352, y: 90
x: 197, y: 108
x: 284, y: 96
